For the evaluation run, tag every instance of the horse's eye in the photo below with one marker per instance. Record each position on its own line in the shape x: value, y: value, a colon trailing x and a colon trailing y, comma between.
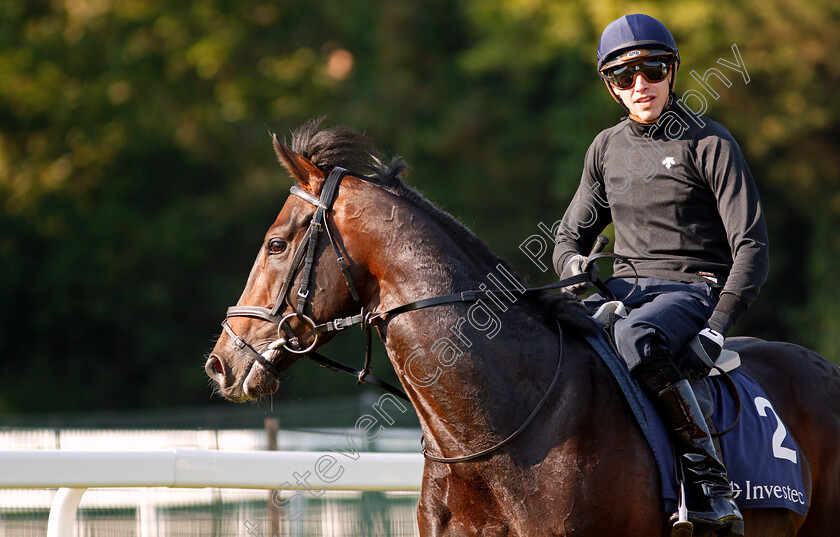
x: 276, y: 246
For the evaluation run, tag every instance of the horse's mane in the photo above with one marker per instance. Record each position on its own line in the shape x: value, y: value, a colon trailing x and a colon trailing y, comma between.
x: 341, y: 146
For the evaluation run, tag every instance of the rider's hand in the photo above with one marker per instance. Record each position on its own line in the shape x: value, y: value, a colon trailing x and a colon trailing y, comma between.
x: 701, y: 353
x: 574, y: 266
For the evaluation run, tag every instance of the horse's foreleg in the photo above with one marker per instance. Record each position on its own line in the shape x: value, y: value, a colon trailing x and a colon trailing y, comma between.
x: 456, y: 508
x: 439, y: 521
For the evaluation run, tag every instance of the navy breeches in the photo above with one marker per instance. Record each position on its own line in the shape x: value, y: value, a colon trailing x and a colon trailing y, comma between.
x: 663, y: 313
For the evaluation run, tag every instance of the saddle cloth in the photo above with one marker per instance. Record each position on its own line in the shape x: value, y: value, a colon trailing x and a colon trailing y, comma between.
x: 762, y: 458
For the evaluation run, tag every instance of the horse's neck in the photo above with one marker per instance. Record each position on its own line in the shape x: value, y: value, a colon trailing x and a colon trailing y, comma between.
x: 472, y: 370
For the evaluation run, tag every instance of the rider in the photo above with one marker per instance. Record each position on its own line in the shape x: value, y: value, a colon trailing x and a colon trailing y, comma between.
x: 687, y: 215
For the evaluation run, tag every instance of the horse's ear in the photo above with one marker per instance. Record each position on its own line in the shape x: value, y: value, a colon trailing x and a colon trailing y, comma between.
x: 300, y: 167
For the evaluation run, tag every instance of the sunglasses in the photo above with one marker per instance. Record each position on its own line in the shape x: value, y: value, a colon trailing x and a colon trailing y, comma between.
x: 624, y: 77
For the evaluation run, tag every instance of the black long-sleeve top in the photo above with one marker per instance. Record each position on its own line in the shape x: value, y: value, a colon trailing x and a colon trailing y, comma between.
x: 684, y: 205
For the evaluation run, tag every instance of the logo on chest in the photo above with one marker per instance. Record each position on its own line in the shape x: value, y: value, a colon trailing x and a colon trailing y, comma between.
x: 668, y: 162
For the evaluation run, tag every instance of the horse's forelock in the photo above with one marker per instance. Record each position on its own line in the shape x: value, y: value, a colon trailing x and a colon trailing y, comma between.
x: 340, y: 146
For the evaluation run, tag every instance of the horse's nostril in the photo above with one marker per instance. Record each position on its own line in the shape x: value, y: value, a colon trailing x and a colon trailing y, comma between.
x: 214, y: 368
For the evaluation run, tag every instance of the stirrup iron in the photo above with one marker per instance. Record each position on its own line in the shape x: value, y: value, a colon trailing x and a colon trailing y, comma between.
x: 682, y: 527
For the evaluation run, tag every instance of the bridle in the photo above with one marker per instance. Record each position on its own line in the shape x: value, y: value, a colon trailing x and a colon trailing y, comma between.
x: 288, y: 340
x: 305, y: 255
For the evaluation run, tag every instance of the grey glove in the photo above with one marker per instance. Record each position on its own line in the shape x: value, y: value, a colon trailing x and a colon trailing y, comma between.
x: 574, y: 266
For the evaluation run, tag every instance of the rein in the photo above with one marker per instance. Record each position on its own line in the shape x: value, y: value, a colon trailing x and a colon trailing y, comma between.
x: 305, y: 254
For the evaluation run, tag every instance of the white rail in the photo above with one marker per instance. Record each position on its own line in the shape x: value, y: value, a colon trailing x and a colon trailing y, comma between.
x: 75, y: 471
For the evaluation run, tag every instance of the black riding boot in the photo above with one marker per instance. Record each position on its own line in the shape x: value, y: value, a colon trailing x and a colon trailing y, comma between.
x: 708, y: 492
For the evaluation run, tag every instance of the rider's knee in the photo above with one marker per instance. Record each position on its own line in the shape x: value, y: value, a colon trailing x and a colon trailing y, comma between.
x: 657, y: 369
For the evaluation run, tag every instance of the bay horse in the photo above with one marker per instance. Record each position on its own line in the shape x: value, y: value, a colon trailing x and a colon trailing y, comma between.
x: 478, y: 371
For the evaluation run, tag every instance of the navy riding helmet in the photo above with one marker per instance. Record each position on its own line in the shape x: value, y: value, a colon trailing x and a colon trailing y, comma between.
x: 635, y: 38
x: 630, y: 32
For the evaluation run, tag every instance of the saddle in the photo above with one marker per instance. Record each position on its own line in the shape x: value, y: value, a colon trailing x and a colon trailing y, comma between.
x: 610, y: 311
x: 757, y: 456
x: 729, y: 360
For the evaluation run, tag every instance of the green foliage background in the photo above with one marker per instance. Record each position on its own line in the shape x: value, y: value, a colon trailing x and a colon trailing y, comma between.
x: 137, y: 177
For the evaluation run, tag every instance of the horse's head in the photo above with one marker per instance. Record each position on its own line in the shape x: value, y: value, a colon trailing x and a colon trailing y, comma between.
x: 296, y: 282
